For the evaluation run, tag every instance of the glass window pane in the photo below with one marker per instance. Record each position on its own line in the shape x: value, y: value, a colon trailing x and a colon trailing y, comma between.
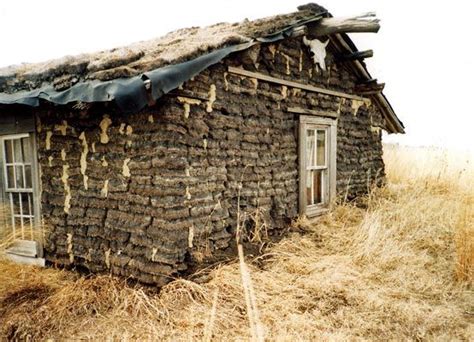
x: 28, y: 224
x: 10, y: 177
x: 18, y: 157
x: 309, y: 187
x: 18, y: 224
x: 28, y: 178
x: 310, y: 148
x: 317, y: 187
x: 25, y: 205
x: 16, y: 203
x: 19, y: 177
x: 30, y: 228
x: 321, y: 146
x: 31, y: 210
x: 25, y: 142
x: 8, y: 151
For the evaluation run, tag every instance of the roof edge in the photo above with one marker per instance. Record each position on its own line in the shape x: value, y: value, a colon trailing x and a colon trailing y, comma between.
x: 131, y: 94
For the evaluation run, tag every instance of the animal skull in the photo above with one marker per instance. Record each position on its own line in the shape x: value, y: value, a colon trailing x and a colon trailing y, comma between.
x: 318, y: 49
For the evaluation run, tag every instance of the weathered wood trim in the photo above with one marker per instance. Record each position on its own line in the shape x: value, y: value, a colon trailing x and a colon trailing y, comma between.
x: 35, y: 173
x: 332, y: 159
x: 362, y: 23
x: 17, y: 122
x: 369, y: 89
x: 316, y: 211
x: 20, y: 259
x: 292, y: 84
x: 357, y: 55
x: 332, y: 163
x: 299, y: 110
x: 188, y: 94
x: 26, y: 248
x: 302, y: 168
x: 3, y: 197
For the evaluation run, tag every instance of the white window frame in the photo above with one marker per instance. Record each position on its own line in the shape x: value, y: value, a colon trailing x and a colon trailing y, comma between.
x: 329, y: 183
x: 7, y: 193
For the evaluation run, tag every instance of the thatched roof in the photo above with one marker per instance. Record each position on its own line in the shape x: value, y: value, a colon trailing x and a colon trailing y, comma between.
x: 175, y: 47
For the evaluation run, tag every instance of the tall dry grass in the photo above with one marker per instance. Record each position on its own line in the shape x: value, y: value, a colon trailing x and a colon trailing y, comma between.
x: 8, y: 235
x: 400, y: 269
x: 444, y: 177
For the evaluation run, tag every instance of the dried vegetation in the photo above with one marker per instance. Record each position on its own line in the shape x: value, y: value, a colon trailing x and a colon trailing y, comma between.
x: 397, y: 267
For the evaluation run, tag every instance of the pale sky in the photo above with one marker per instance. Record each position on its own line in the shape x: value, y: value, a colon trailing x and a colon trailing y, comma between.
x: 423, y: 52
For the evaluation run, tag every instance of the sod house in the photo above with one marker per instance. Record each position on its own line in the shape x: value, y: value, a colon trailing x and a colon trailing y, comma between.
x: 136, y: 161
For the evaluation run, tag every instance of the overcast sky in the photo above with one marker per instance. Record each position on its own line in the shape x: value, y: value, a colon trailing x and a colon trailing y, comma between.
x: 424, y: 51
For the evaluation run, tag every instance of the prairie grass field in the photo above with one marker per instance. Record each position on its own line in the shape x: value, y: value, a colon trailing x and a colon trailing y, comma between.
x: 399, y: 265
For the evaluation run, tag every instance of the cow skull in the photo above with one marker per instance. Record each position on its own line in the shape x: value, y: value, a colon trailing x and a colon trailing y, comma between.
x: 318, y: 49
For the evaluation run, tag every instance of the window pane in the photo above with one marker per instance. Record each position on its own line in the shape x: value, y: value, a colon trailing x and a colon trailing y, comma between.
x: 8, y: 151
x: 309, y: 188
x: 25, y: 142
x: 310, y: 148
x: 28, y: 179
x: 18, y: 224
x: 19, y: 177
x: 28, y: 224
x: 17, y: 151
x: 30, y: 211
x: 10, y: 177
x: 16, y: 203
x: 317, y: 186
x: 321, y: 145
x: 314, y: 187
x: 25, y: 205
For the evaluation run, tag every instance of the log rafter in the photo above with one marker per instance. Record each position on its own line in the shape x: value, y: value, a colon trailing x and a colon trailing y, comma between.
x: 362, y: 23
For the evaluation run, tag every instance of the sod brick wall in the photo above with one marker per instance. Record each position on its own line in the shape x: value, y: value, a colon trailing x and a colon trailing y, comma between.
x: 145, y: 195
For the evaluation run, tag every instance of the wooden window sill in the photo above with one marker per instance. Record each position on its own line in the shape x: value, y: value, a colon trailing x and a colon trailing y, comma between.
x: 316, y: 211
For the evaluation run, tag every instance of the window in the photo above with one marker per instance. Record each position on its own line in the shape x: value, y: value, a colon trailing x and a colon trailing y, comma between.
x: 18, y: 183
x: 317, y: 157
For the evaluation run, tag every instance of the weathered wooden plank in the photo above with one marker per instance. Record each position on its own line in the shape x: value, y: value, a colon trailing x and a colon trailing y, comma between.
x: 292, y: 84
x: 13, y: 123
x: 299, y: 110
x: 362, y: 23
x: 25, y: 260
x: 370, y: 88
x: 188, y: 94
x: 356, y: 55
x: 26, y: 248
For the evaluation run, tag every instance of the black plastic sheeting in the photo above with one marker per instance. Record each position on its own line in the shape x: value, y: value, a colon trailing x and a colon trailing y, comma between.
x: 130, y: 94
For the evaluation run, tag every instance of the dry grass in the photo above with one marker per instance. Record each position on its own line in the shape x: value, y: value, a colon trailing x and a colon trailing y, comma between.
x: 402, y: 269
x: 8, y: 236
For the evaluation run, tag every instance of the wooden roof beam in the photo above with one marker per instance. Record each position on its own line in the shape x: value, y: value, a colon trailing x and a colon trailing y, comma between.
x: 362, y: 23
x: 369, y: 88
x: 357, y: 55
x: 304, y: 86
x: 369, y: 81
